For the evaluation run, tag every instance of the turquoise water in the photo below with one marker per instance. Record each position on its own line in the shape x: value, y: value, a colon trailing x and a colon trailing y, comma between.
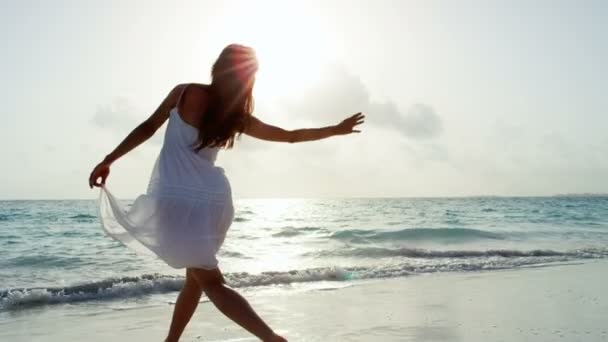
x: 56, y: 252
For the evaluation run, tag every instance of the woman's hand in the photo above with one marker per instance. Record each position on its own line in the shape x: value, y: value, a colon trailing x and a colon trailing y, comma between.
x: 102, y: 170
x: 347, y: 125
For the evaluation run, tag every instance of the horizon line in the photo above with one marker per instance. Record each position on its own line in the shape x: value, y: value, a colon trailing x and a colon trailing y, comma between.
x: 582, y: 194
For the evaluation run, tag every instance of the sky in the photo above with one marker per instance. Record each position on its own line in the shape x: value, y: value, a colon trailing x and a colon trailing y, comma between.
x: 462, y: 98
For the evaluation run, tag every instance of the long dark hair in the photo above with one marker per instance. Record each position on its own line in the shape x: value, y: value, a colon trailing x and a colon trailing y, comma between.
x: 231, y: 98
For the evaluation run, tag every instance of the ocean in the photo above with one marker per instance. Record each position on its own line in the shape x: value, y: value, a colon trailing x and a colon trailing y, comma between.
x: 55, y: 252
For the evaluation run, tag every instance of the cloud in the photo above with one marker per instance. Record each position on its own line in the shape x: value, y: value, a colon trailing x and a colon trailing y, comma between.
x: 119, y: 118
x: 340, y: 93
x: 119, y: 113
x: 420, y: 121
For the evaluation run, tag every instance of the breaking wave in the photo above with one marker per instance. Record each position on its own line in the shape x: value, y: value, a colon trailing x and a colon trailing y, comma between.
x: 440, y: 261
x: 431, y: 234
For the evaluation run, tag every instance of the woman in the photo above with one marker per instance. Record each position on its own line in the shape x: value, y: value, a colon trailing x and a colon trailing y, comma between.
x: 185, y: 214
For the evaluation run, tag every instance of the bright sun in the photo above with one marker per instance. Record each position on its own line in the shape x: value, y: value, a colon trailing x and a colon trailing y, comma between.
x: 289, y: 44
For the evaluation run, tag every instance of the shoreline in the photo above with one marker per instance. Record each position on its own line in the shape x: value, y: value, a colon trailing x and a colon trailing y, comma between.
x: 557, y: 302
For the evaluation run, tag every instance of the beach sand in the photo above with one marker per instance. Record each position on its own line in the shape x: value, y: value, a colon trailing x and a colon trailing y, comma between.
x: 558, y: 303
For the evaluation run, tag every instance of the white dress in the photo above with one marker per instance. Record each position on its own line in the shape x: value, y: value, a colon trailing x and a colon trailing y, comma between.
x: 187, y: 210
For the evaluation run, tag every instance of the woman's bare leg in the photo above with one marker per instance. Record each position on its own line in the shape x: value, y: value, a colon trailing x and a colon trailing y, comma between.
x: 233, y: 305
x: 186, y: 303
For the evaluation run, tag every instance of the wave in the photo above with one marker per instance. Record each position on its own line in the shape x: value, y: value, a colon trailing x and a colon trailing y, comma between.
x: 14, y: 215
x: 458, y: 261
x: 433, y: 234
x: 42, y: 261
x: 124, y: 287
x: 295, y: 231
x: 379, y: 252
x: 243, y: 215
x: 127, y: 287
x: 288, y: 233
x: 83, y: 217
x: 233, y: 254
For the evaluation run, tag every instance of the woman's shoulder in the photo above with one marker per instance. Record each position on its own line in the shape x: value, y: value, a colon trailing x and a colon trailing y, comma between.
x: 198, y: 87
x: 193, y: 97
x: 195, y: 91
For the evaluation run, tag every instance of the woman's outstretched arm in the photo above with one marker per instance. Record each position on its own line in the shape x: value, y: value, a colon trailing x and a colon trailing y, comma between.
x: 264, y: 131
x: 141, y: 133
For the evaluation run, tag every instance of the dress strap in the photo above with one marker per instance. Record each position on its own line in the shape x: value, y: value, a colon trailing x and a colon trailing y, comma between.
x: 181, y: 94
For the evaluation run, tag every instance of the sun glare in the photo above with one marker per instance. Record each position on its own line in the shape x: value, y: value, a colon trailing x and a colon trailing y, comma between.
x: 289, y: 44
